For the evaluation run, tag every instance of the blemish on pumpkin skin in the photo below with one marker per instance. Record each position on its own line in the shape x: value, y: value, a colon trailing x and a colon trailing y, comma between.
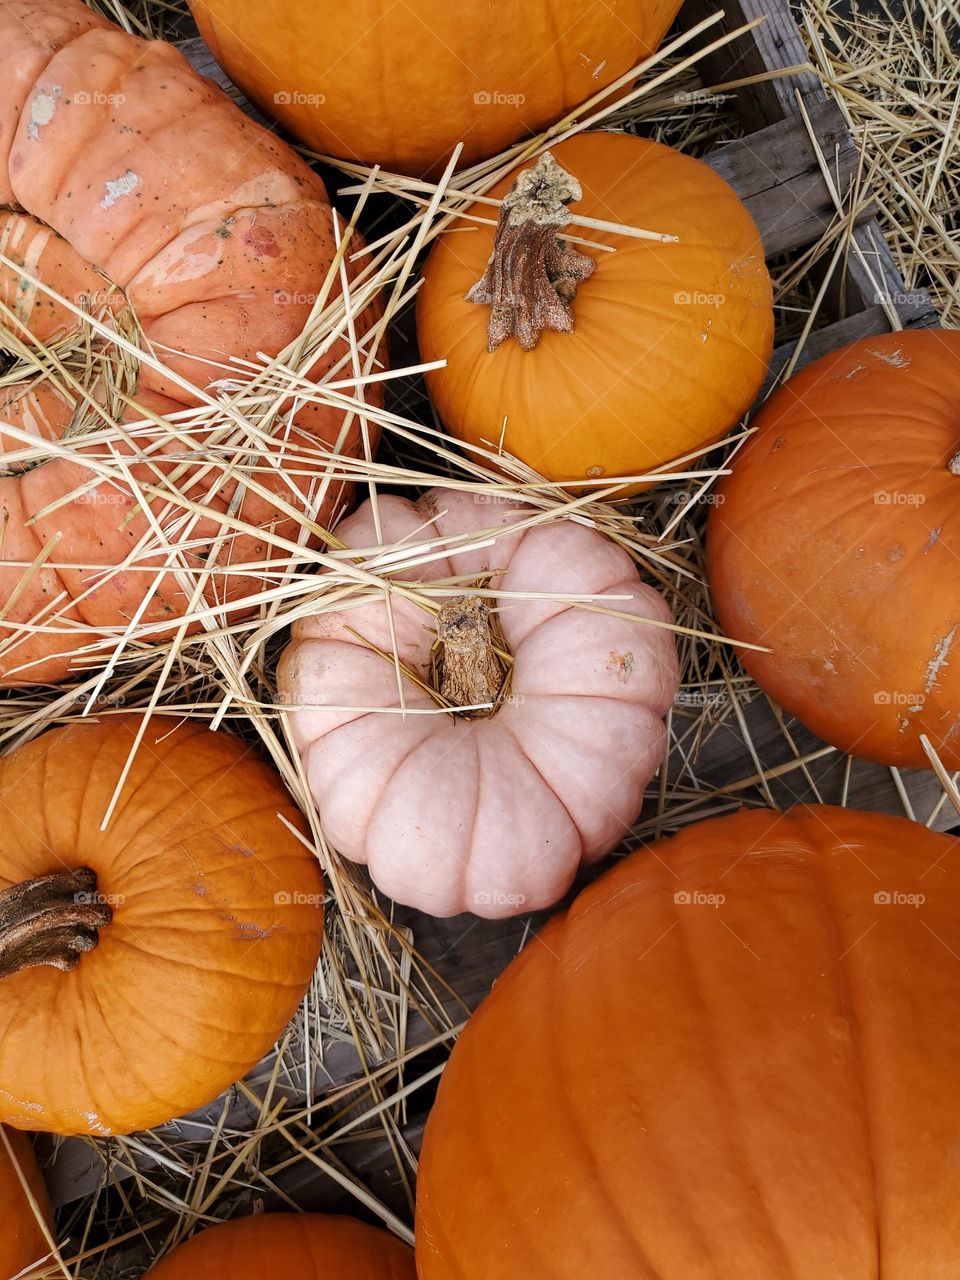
x: 895, y: 358
x: 119, y: 187
x: 43, y: 106
x: 778, y: 444
x: 896, y: 554
x: 933, y: 538
x: 621, y: 664
x: 939, y: 660
x: 262, y: 243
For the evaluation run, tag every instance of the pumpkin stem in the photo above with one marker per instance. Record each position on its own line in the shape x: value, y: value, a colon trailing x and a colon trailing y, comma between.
x: 533, y: 274
x: 51, y: 920
x: 953, y: 466
x: 467, y: 667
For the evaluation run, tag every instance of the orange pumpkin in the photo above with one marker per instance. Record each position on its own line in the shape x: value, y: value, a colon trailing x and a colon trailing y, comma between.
x: 589, y: 365
x: 205, y: 903
x: 401, y: 84
x: 834, y: 544
x: 22, y: 1241
x: 736, y: 1055
x: 294, y: 1246
x: 219, y: 238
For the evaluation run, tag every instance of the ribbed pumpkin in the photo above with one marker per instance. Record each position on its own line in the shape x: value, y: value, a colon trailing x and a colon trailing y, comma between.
x: 589, y: 365
x: 401, y: 84
x: 835, y: 544
x: 206, y: 905
x: 736, y: 1055
x: 491, y: 809
x: 22, y: 1241
x: 294, y: 1246
x: 219, y: 237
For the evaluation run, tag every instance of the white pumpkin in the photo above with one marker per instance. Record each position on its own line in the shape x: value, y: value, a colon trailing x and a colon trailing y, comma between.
x: 492, y: 814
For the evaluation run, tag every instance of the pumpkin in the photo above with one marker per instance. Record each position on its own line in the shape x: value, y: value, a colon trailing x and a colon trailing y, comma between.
x: 590, y: 365
x: 22, y: 1240
x: 834, y: 546
x: 204, y: 901
x: 491, y: 809
x: 401, y: 85
x: 307, y: 1246
x: 737, y: 1054
x: 218, y: 237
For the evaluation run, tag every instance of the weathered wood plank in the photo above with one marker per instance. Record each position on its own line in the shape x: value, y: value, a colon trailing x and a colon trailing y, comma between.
x: 774, y: 45
x: 776, y: 173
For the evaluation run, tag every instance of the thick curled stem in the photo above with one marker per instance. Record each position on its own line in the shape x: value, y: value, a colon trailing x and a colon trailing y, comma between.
x: 51, y: 920
x: 532, y: 276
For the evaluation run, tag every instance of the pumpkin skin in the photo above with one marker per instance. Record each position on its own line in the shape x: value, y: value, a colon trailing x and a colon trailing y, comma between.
x: 216, y: 929
x: 22, y: 1241
x: 834, y: 543
x: 220, y: 237
x: 642, y: 379
x: 765, y: 1086
x: 489, y: 815
x: 300, y: 1246
x: 401, y: 85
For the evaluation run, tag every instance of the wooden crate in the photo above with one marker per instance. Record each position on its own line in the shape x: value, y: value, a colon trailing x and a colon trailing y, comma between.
x: 781, y: 174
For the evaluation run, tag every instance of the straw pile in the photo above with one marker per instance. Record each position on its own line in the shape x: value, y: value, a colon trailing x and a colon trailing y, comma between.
x: 332, y: 1117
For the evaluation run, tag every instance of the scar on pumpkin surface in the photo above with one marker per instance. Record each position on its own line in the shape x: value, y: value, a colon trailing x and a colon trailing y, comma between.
x: 621, y: 664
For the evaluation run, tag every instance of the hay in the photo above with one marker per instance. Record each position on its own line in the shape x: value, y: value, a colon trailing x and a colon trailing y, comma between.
x: 331, y: 1118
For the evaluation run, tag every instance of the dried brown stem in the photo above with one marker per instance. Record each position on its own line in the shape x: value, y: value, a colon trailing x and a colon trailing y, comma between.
x: 467, y: 665
x: 51, y: 920
x: 532, y: 276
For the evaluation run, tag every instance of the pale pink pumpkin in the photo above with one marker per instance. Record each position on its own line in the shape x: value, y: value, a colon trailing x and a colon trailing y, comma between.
x: 492, y: 815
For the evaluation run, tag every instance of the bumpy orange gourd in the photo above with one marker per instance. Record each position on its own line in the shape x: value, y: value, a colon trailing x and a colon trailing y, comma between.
x: 126, y: 177
x: 835, y: 545
x: 306, y: 1246
x: 401, y: 84
x: 662, y: 347
x: 737, y: 1054
x: 22, y: 1241
x: 147, y: 966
